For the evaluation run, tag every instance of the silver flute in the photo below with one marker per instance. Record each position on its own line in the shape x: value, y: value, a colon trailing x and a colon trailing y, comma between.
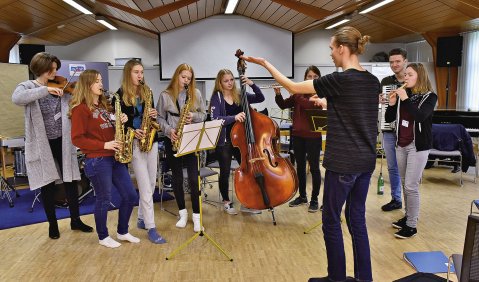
x: 270, y: 86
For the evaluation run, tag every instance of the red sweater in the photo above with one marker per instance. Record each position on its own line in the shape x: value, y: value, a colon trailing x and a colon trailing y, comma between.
x: 300, y: 103
x: 90, y: 131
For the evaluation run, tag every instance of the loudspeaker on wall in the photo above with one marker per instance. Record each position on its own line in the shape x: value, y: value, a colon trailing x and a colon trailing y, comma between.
x: 449, y: 51
x: 27, y: 51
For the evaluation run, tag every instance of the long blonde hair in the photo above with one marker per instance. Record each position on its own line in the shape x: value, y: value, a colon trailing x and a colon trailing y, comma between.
x: 174, y: 89
x: 219, y: 87
x: 129, y: 95
x: 83, y: 94
x: 423, y: 84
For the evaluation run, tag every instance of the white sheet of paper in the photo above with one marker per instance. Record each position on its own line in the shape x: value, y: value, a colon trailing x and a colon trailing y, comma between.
x: 190, y: 138
x: 192, y: 134
x: 212, y: 130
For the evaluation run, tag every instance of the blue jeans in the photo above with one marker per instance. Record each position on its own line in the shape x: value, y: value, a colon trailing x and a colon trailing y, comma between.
x: 104, y: 173
x: 352, y: 189
x: 389, y: 144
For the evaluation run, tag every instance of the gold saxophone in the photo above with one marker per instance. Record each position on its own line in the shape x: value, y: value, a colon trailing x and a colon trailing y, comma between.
x: 125, y: 154
x: 182, y: 121
x: 148, y: 125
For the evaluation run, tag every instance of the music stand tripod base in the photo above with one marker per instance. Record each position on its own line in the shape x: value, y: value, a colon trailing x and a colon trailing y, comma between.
x: 317, y: 224
x: 5, y: 189
x: 192, y: 141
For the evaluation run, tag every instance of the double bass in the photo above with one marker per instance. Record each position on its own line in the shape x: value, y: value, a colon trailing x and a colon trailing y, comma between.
x: 264, y: 179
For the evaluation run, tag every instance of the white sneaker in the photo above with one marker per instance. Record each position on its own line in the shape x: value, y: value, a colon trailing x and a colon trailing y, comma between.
x: 228, y: 207
x: 253, y: 211
x: 127, y: 237
x: 109, y: 242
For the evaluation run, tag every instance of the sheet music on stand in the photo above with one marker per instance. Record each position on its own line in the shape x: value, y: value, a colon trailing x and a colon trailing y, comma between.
x: 318, y: 119
x: 199, y: 136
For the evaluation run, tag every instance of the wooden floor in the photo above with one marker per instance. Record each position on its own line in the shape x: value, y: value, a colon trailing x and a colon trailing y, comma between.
x: 261, y: 251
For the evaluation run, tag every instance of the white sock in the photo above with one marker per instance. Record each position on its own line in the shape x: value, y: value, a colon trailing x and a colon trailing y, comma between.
x: 127, y: 237
x: 196, y: 222
x: 183, y: 219
x: 109, y: 242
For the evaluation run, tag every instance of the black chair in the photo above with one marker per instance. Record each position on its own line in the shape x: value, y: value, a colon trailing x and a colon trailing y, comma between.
x: 264, y: 111
x: 467, y: 264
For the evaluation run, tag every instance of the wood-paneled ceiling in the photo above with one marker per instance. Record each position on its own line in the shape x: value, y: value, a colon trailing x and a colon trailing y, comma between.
x: 53, y: 22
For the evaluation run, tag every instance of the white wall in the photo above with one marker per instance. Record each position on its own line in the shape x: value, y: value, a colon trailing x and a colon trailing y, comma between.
x: 419, y: 51
x: 210, y: 44
x: 309, y: 48
x: 312, y: 47
x: 108, y: 45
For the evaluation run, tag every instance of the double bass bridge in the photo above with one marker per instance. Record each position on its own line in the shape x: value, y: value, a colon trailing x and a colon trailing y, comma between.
x: 256, y: 159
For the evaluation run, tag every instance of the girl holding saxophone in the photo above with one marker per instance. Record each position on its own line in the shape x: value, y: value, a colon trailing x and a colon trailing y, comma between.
x: 181, y: 103
x: 93, y: 131
x: 136, y: 100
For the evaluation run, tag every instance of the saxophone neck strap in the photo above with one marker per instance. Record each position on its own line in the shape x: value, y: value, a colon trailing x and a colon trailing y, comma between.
x: 178, y: 106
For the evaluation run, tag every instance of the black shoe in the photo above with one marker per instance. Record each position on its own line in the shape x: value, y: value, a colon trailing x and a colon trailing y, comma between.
x: 326, y: 279
x: 456, y: 169
x: 298, y: 201
x: 313, y: 206
x: 77, y: 224
x: 319, y: 279
x: 406, y: 232
x: 53, y: 232
x: 400, y: 223
x: 393, y: 205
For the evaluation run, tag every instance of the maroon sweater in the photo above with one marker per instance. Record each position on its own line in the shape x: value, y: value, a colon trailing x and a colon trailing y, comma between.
x: 91, y: 130
x: 300, y: 103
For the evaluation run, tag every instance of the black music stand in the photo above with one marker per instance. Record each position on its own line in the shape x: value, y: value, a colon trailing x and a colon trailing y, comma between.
x: 197, y: 137
x: 318, y: 119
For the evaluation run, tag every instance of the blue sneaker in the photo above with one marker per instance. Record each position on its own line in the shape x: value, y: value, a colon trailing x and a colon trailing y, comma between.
x: 140, y: 224
x: 154, y: 237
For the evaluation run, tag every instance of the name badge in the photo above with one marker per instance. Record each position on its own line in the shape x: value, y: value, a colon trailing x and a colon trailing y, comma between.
x: 57, y: 116
x: 405, y: 123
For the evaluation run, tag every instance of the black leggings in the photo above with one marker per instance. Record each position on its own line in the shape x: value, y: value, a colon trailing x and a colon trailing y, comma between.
x: 224, y: 154
x: 49, y: 190
x: 190, y: 162
x: 308, y: 149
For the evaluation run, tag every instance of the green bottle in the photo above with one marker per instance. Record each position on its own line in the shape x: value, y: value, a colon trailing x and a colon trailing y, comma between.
x: 380, y: 184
